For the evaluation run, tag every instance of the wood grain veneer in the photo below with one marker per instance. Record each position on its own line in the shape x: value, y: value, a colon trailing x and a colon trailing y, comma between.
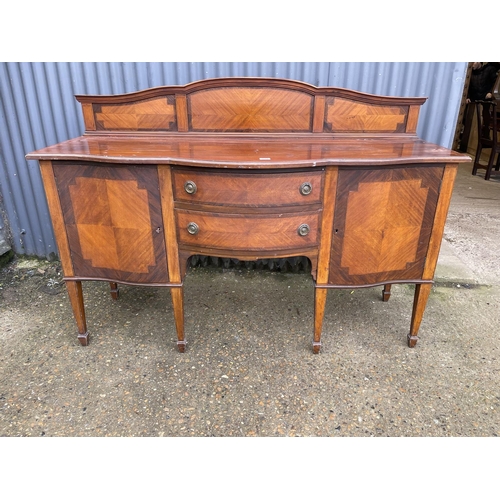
x: 249, y: 168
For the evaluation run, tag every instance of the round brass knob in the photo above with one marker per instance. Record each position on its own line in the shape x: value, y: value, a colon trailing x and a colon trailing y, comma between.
x: 306, y: 188
x: 303, y: 230
x: 192, y: 228
x: 190, y: 187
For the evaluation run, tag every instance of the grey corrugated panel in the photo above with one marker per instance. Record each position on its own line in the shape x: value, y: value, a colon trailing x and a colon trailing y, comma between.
x: 20, y: 182
x: 4, y: 240
x: 38, y: 108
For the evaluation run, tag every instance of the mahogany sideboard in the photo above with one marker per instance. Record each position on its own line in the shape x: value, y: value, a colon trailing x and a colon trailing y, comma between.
x: 249, y: 168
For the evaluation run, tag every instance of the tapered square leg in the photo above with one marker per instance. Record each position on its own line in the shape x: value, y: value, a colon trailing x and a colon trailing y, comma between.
x: 76, y: 299
x: 319, y: 312
x: 177, y: 294
x: 114, y: 290
x: 422, y: 292
x: 386, y: 293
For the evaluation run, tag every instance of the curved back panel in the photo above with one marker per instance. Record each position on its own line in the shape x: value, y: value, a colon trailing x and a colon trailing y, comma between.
x: 250, y: 105
x: 346, y: 115
x: 250, y: 109
x: 148, y: 115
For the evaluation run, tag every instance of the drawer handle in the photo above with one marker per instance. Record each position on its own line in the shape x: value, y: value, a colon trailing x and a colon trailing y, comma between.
x: 190, y: 187
x: 303, y: 230
x: 192, y: 228
x: 306, y: 188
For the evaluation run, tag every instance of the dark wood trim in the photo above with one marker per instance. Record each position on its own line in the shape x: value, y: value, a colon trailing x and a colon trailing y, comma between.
x: 275, y: 83
x: 131, y: 283
x: 378, y: 283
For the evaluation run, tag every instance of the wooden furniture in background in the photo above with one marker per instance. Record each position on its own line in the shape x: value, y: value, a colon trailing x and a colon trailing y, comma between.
x: 488, y: 126
x: 249, y: 168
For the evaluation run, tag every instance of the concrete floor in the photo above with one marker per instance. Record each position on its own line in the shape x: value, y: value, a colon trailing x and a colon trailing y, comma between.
x: 249, y: 369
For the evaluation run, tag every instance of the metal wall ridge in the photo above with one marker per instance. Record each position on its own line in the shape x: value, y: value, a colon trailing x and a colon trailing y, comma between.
x: 38, y: 109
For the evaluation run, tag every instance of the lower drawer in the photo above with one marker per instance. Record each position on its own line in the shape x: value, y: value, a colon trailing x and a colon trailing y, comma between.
x: 243, y: 232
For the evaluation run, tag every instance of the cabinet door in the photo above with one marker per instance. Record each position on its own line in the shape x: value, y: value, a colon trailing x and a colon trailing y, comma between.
x: 383, y: 222
x: 113, y: 220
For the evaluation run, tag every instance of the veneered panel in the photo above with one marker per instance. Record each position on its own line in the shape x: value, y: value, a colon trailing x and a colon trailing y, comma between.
x: 248, y: 109
x: 152, y: 114
x: 97, y: 245
x: 390, y: 236
x: 113, y: 221
x: 133, y: 242
x: 115, y: 225
x: 382, y: 225
x: 128, y: 204
x: 86, y: 212
x: 343, y: 115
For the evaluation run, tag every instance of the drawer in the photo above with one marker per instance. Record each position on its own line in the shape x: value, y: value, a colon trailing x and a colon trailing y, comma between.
x: 243, y: 189
x: 240, y: 232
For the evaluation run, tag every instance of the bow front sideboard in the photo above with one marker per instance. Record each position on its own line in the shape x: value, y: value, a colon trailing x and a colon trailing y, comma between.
x: 249, y: 168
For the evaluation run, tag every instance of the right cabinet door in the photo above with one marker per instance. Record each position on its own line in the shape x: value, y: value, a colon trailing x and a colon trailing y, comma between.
x: 382, y: 224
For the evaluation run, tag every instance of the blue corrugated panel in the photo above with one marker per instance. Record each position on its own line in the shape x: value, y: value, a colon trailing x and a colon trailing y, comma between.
x: 37, y: 109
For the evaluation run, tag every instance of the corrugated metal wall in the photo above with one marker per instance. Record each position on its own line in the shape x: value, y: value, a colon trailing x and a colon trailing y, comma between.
x: 37, y: 109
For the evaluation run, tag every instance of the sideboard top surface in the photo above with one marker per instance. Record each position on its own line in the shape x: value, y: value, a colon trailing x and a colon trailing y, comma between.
x: 249, y: 152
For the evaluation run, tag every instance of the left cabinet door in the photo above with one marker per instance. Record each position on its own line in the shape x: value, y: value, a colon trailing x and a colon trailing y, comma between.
x: 113, y: 220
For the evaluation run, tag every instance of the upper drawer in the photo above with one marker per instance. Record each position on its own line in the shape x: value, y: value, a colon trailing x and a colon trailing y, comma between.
x: 246, y: 189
